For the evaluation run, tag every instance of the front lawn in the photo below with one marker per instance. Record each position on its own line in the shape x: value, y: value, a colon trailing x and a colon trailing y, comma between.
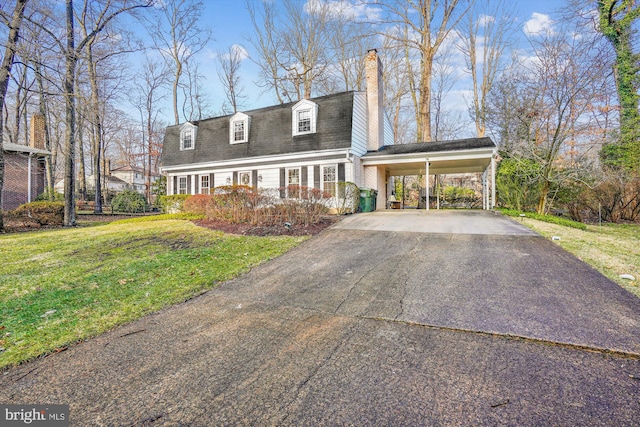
x: 612, y: 249
x: 61, y: 286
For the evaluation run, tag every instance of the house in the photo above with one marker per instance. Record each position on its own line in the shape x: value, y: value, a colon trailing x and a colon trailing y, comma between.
x: 135, y: 177
x: 315, y: 142
x: 24, y: 168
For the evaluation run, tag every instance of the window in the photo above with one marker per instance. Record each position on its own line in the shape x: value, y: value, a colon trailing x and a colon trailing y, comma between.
x: 304, y: 117
x: 239, y: 128
x: 187, y: 136
x: 293, y: 183
x: 304, y: 121
x: 238, y: 131
x: 204, y: 184
x: 244, y: 178
x: 182, y: 185
x: 329, y: 180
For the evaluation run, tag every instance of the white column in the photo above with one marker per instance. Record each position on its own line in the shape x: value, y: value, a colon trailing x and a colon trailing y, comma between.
x: 426, y: 182
x: 29, y: 179
x: 493, y: 182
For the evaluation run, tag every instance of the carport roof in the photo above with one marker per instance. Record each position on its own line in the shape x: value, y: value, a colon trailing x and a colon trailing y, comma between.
x: 436, y: 146
x: 444, y: 157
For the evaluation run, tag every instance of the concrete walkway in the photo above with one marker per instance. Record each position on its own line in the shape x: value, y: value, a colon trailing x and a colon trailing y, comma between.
x: 475, y: 322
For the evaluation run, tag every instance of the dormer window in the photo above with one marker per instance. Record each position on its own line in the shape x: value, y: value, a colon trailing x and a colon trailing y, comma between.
x: 188, y: 136
x: 239, y: 128
x: 304, y: 117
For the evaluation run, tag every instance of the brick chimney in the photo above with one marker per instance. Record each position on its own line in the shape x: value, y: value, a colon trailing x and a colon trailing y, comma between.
x: 36, y: 132
x: 375, y: 100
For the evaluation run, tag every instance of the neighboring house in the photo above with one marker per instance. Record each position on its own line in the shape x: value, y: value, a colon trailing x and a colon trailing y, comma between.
x: 135, y: 177
x: 315, y: 142
x: 24, y: 168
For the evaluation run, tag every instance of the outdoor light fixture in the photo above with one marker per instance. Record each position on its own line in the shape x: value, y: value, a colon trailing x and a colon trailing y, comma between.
x: 228, y: 181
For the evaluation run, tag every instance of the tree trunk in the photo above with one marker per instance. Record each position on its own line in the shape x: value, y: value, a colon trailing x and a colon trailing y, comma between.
x: 96, y: 140
x: 48, y: 164
x: 5, y: 71
x: 70, y: 119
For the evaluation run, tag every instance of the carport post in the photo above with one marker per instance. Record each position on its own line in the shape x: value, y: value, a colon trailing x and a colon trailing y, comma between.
x: 426, y: 191
x: 493, y: 182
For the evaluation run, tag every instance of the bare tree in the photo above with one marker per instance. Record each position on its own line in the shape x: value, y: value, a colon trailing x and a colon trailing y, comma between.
x: 424, y: 25
x: 149, y: 83
x: 229, y: 63
x: 5, y: 72
x: 545, y: 104
x: 177, y: 35
x: 485, y: 36
x: 293, y: 52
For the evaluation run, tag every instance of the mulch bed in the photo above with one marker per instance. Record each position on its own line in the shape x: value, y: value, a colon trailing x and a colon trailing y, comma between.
x: 14, y: 226
x: 275, y: 230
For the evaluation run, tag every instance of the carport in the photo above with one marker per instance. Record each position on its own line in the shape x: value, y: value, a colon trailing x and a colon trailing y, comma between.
x: 469, y: 155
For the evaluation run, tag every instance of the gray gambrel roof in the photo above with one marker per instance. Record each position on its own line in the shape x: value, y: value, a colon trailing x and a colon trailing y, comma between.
x: 270, y: 133
x: 436, y: 146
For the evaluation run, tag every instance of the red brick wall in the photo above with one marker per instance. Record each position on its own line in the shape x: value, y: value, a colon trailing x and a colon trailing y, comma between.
x: 16, y: 179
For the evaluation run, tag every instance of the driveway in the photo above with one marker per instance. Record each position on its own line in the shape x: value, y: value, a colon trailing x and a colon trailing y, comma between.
x: 388, y: 318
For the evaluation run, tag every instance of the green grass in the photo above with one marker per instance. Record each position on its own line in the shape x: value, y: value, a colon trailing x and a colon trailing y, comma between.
x: 62, y: 286
x: 553, y: 219
x: 612, y: 249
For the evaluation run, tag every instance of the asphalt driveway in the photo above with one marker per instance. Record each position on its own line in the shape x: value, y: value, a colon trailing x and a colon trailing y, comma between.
x: 390, y: 318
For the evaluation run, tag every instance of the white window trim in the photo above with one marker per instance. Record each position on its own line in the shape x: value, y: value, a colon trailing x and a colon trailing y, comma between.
x: 188, y: 127
x: 247, y: 173
x: 304, y: 105
x: 239, y: 118
x: 335, y: 183
x: 208, y: 187
x: 186, y: 185
x: 299, y: 184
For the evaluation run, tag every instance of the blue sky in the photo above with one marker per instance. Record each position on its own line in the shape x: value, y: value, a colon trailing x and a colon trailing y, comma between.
x: 231, y: 24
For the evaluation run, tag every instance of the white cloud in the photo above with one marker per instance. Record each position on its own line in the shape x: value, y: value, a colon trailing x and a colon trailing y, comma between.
x: 538, y: 24
x: 344, y: 9
x: 485, y: 20
x: 236, y: 48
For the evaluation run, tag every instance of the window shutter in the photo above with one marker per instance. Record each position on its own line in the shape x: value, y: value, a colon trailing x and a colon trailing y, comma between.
x: 283, y: 182
x: 341, y: 172
x: 316, y: 177
x: 304, y: 181
x: 254, y: 178
x: 175, y: 185
x: 188, y: 184
x: 211, y: 183
x: 197, y: 189
x: 235, y: 178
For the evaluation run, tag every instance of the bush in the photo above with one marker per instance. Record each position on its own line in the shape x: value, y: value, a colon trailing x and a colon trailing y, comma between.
x: 348, y: 198
x: 50, y: 195
x: 42, y: 213
x: 129, y: 201
x: 197, y: 204
x: 173, y: 203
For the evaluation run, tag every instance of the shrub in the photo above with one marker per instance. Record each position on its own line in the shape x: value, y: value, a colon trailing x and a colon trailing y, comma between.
x: 348, y: 198
x: 50, y: 195
x: 173, y: 203
x: 129, y: 201
x: 197, y: 204
x: 42, y: 213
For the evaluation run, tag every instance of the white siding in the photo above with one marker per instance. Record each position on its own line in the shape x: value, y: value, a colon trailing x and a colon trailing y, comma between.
x: 270, y: 178
x: 388, y: 131
x: 220, y: 179
x: 359, y: 129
